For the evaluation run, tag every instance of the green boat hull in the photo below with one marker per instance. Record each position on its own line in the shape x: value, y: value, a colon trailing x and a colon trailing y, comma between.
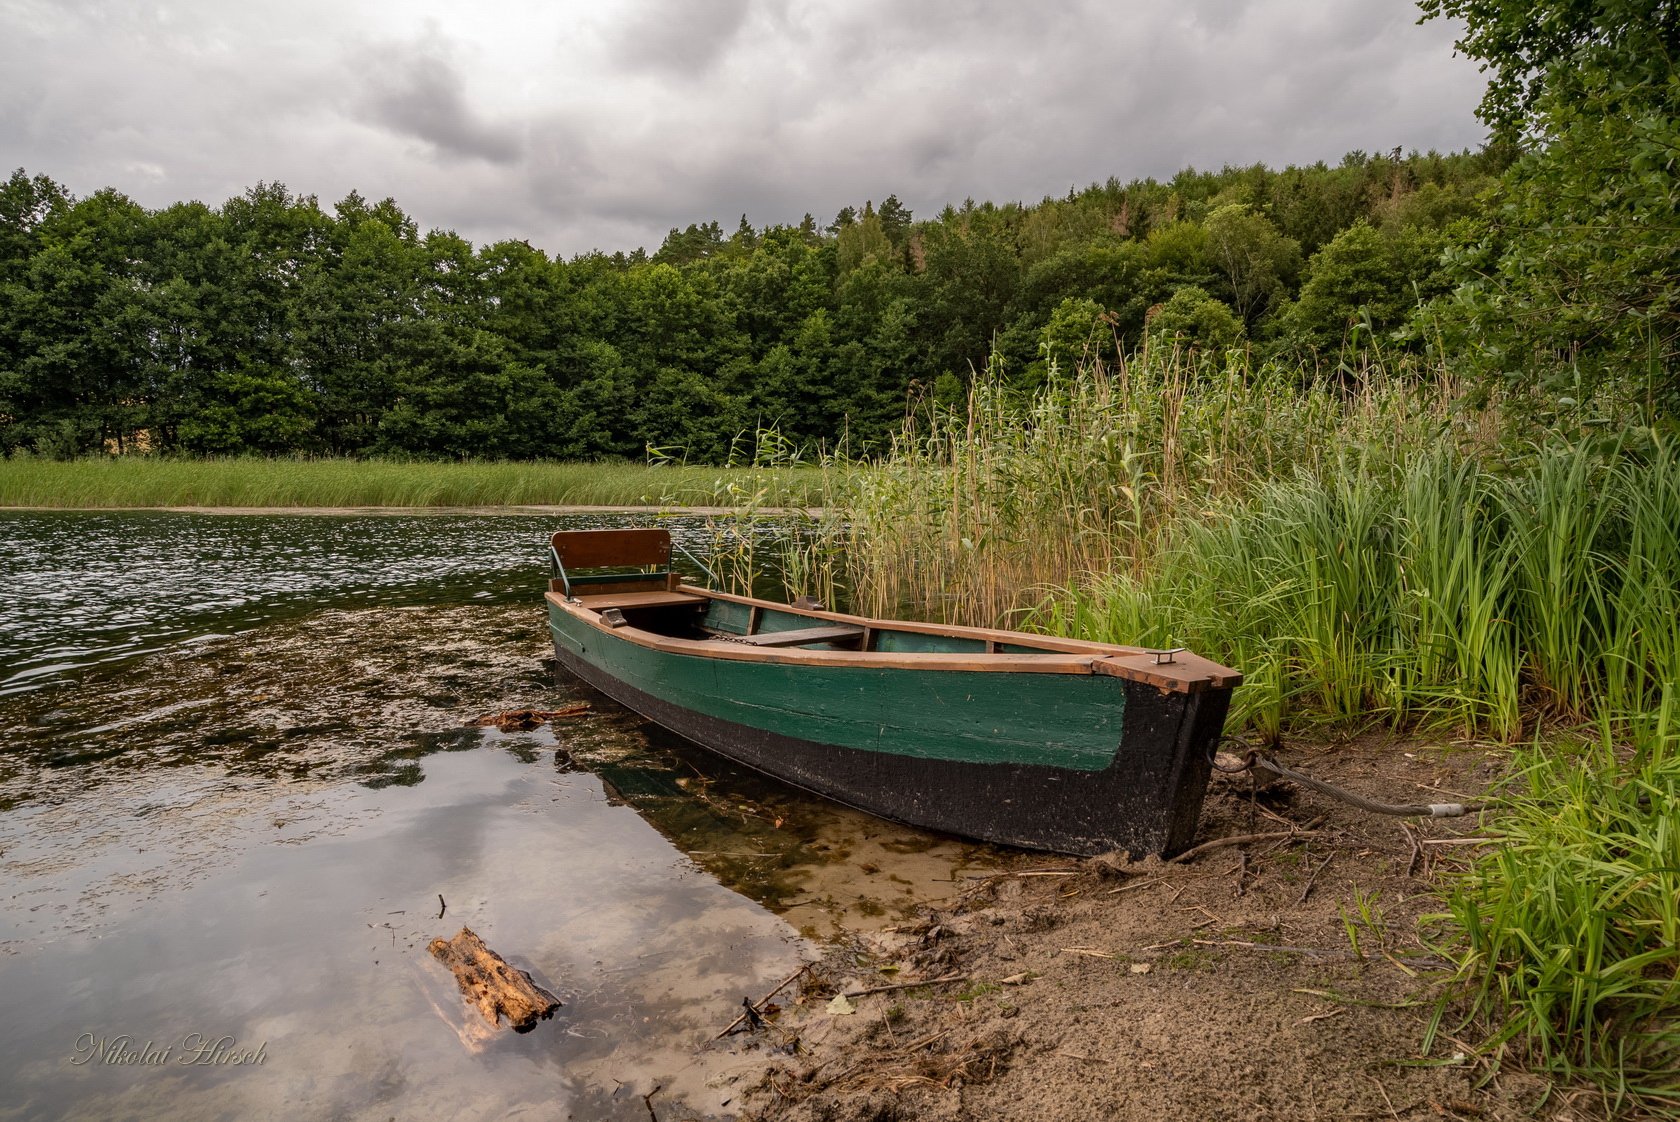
x: 1071, y: 762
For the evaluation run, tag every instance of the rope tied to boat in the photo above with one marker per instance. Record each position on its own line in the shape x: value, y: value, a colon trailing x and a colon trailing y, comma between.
x: 1250, y: 758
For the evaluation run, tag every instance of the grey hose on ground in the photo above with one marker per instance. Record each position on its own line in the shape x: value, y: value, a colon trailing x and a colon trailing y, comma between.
x: 1253, y: 759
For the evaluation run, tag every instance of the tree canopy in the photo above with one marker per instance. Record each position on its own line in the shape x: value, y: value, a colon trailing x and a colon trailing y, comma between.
x: 272, y: 323
x: 1568, y: 281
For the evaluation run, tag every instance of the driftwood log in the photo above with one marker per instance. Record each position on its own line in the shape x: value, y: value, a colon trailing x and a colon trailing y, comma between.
x: 488, y: 982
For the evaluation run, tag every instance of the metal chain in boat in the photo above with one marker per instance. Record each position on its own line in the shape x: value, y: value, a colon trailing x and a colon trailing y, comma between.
x: 1250, y: 758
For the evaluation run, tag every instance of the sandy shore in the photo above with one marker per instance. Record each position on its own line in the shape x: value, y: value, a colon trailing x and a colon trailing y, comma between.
x: 1225, y: 987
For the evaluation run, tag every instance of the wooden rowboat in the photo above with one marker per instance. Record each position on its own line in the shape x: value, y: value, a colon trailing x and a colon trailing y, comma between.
x: 1020, y: 739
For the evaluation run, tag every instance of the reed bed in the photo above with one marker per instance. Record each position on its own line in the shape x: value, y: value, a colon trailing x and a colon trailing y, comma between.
x: 138, y: 481
x: 1369, y: 549
x: 758, y: 542
x: 1439, y: 592
x: 1366, y: 549
x: 973, y: 515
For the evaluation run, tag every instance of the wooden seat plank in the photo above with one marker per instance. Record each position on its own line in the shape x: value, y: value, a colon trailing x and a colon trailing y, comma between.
x: 605, y: 600
x: 830, y: 633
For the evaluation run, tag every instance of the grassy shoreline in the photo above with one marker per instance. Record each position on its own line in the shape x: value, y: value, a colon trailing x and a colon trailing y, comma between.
x: 1381, y: 551
x: 252, y: 484
x: 653, y: 509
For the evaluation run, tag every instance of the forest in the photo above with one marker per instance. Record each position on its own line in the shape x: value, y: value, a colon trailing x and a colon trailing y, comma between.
x: 1540, y: 268
x: 272, y: 325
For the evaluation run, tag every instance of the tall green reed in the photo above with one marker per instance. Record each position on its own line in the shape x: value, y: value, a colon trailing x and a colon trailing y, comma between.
x: 756, y: 537
x: 974, y: 513
x: 1435, y: 590
x: 1453, y: 655
x: 1559, y: 517
x: 1642, y: 634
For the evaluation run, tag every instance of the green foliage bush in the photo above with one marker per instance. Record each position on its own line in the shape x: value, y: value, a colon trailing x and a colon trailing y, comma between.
x: 1569, y: 281
x: 1360, y: 289
x: 1566, y: 933
x: 1195, y: 320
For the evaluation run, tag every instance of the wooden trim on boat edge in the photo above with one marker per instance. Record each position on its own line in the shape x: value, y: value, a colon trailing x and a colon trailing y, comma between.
x: 1187, y: 673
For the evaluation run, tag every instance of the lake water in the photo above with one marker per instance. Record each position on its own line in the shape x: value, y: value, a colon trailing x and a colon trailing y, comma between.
x: 239, y: 783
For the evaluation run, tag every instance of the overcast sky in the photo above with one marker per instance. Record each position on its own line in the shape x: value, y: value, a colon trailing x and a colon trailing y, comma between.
x: 603, y: 124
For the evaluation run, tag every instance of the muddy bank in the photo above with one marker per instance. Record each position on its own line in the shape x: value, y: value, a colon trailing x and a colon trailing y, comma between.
x: 1286, y: 978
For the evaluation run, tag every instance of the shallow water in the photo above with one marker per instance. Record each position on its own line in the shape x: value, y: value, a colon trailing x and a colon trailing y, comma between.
x: 91, y: 587
x: 238, y: 773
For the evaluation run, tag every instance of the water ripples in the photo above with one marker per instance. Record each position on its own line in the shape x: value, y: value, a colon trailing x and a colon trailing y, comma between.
x: 88, y: 588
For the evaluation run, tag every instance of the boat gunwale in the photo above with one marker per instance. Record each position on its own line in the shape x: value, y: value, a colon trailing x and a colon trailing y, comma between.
x: 1187, y: 673
x: 1051, y: 643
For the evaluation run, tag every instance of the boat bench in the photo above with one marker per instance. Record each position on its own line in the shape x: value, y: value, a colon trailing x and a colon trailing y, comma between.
x: 600, y: 602
x: 831, y: 633
x: 636, y: 562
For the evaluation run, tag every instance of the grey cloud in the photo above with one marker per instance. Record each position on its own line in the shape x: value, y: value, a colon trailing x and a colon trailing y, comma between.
x: 938, y: 102
x: 605, y: 124
x: 415, y: 90
x: 684, y: 38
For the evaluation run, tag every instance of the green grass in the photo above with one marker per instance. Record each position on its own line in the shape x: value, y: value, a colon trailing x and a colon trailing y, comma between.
x: 1568, y: 934
x: 138, y: 481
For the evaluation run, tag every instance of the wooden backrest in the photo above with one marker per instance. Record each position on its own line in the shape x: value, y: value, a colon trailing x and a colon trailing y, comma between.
x: 617, y: 549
